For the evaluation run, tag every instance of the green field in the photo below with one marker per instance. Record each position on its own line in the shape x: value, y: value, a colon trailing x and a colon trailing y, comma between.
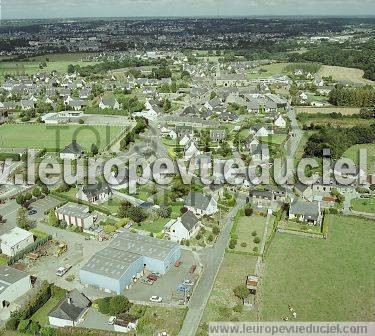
x: 58, y: 62
x: 232, y: 273
x: 324, y: 280
x: 363, y: 205
x: 45, y: 136
x: 276, y: 139
x: 353, y: 154
x: 267, y: 70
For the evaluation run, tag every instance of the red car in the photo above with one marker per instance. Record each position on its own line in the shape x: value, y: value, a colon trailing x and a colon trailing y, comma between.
x: 152, y: 277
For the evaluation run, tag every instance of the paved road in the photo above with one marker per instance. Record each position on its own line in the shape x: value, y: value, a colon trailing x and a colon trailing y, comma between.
x: 211, y: 259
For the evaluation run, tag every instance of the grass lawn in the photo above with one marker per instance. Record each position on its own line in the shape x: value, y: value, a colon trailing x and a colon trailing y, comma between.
x: 276, y: 139
x: 324, y: 280
x: 233, y: 272
x: 153, y: 226
x: 38, y: 233
x: 267, y: 70
x: 363, y: 205
x: 41, y: 315
x: 353, y: 154
x: 3, y: 261
x: 44, y: 136
x: 246, y: 225
x: 159, y: 319
x: 328, y: 110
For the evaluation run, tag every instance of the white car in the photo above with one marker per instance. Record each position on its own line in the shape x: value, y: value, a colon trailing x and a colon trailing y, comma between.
x: 111, y: 320
x: 188, y: 282
x: 61, y: 271
x: 156, y: 299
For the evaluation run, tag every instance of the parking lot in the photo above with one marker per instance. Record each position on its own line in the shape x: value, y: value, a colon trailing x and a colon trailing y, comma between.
x: 166, y: 286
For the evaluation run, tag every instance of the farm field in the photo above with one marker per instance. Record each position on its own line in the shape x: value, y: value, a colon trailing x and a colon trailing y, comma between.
x: 267, y: 70
x: 363, y: 205
x: 324, y: 280
x: 233, y: 272
x: 43, y: 136
x: 328, y: 110
x: 344, y: 74
x: 353, y: 154
x: 59, y: 64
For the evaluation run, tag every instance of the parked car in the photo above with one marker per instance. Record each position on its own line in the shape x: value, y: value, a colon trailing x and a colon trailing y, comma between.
x: 111, y: 320
x: 62, y: 270
x: 147, y: 281
x: 32, y: 212
x: 178, y: 263
x: 188, y: 282
x: 156, y: 299
x: 152, y: 277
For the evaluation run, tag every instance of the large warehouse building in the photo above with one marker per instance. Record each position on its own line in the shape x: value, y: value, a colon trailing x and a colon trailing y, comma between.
x: 115, y: 267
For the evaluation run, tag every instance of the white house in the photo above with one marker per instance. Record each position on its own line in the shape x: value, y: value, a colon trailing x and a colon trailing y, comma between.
x: 191, y: 150
x: 13, y: 284
x: 167, y: 133
x: 309, y: 212
x: 15, y: 240
x: 280, y: 122
x: 75, y: 215
x: 69, y: 311
x: 182, y: 228
x: 201, y: 204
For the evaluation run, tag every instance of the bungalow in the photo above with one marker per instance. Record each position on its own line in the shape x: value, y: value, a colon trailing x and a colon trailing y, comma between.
x: 182, y: 228
x: 72, y: 152
x: 182, y: 131
x: 168, y: 133
x: 70, y: 311
x: 75, y: 215
x: 109, y: 102
x: 211, y: 104
x: 260, y: 131
x: 262, y: 197
x: 190, y: 111
x: 95, y: 193
x: 303, y: 211
x: 27, y: 105
x: 251, y: 141
x: 201, y: 204
x: 191, y: 150
x: 77, y: 104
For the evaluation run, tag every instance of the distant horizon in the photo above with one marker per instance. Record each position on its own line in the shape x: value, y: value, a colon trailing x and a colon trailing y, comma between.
x: 73, y: 9
x: 194, y: 17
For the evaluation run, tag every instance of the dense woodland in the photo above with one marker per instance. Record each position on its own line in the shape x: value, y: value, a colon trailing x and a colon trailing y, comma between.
x: 349, y: 96
x: 338, y: 140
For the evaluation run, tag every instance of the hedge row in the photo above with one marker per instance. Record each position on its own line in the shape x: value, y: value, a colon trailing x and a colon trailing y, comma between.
x: 32, y: 247
x: 13, y: 156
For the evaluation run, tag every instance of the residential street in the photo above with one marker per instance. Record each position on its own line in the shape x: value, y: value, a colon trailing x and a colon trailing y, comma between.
x: 211, y: 258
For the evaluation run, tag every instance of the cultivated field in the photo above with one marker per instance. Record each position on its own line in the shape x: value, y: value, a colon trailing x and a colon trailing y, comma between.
x: 324, y: 280
x: 344, y: 74
x: 328, y: 110
x: 45, y: 136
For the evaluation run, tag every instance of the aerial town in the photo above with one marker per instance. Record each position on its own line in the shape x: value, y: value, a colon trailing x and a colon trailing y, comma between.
x: 126, y: 254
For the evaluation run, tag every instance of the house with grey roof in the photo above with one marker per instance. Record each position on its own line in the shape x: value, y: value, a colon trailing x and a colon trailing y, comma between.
x: 182, y: 228
x: 69, y: 311
x: 73, y: 151
x: 95, y: 193
x: 218, y: 135
x: 309, y: 212
x: 109, y: 101
x: 201, y: 204
x: 214, y: 102
x: 13, y: 284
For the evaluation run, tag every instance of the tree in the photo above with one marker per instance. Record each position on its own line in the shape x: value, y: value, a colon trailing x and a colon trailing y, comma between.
x: 165, y: 211
x: 52, y: 219
x: 216, y: 230
x: 103, y: 305
x: 63, y: 224
x: 241, y: 292
x: 20, y: 199
x: 36, y: 192
x: 34, y: 328
x: 22, y: 220
x: 248, y: 211
x: 119, y: 305
x: 45, y: 190
x: 94, y: 149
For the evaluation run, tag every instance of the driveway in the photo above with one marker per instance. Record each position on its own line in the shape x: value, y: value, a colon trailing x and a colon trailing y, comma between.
x: 95, y: 320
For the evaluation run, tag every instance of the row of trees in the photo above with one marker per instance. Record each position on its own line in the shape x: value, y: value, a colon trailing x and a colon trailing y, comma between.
x: 131, y: 136
x: 358, y: 97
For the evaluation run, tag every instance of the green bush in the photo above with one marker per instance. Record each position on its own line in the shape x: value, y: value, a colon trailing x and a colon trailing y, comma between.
x: 23, y: 325
x: 238, y: 308
x: 254, y: 233
x: 11, y: 324
x: 103, y: 305
x: 243, y: 244
x: 256, y: 240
